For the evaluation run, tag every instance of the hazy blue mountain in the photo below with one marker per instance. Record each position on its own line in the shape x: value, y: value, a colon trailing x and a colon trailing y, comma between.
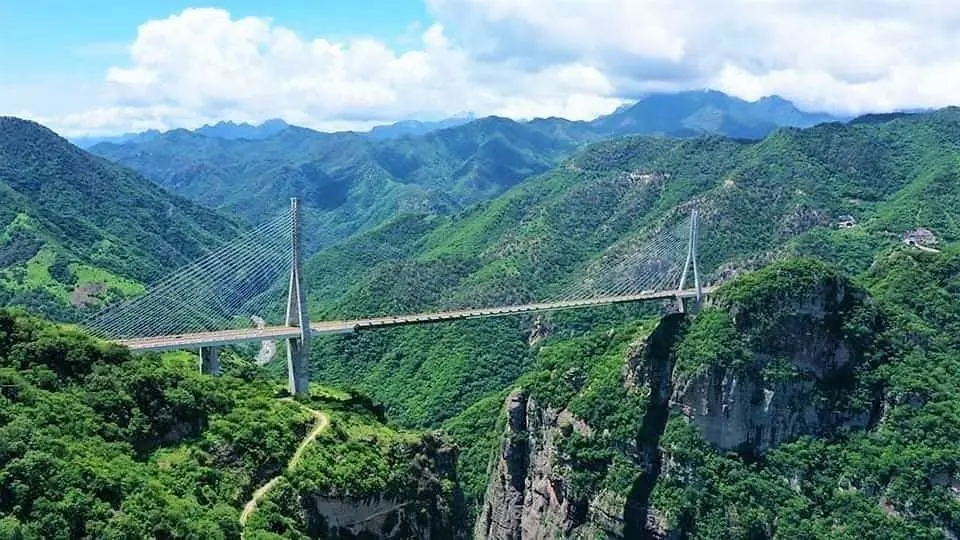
x: 220, y: 130
x: 689, y: 114
x: 230, y: 130
x: 416, y: 127
x: 87, y: 142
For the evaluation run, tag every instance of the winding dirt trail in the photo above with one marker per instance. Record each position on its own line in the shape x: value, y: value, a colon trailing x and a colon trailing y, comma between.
x: 322, y: 421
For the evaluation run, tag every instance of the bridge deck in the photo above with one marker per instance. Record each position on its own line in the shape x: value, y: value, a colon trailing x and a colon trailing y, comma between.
x: 229, y: 337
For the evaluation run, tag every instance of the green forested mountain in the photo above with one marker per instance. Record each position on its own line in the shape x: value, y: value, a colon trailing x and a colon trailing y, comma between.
x: 352, y: 182
x: 77, y: 226
x: 797, y: 404
x: 780, y: 197
x: 814, y: 395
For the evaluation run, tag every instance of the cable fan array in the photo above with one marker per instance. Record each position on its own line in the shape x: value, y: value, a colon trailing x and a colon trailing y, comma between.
x: 228, y: 288
x: 649, y: 263
x: 234, y: 285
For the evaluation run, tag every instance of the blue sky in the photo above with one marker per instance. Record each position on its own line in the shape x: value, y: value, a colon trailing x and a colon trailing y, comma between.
x: 41, y: 39
x: 100, y: 67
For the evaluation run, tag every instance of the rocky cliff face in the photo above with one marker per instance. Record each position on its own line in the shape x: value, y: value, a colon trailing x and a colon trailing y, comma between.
x: 749, y: 380
x: 530, y: 495
x: 796, y: 373
x: 526, y: 497
x: 426, y: 504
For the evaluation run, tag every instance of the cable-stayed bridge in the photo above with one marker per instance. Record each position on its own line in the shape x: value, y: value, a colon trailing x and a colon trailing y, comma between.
x: 224, y: 298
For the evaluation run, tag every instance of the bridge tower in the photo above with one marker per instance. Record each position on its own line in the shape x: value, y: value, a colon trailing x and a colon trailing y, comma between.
x: 298, y: 348
x: 691, y: 260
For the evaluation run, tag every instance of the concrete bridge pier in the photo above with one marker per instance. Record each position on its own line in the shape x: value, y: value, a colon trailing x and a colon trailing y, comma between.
x: 298, y: 348
x: 298, y: 362
x: 210, y: 360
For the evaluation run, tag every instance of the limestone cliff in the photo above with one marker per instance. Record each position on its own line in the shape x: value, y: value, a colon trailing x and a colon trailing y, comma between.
x: 754, y: 370
x: 790, y: 367
x: 526, y: 497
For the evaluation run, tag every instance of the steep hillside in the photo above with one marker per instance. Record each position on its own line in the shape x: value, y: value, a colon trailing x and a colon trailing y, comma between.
x: 785, y: 195
x: 348, y: 182
x: 794, y: 406
x: 77, y: 226
x: 96, y: 443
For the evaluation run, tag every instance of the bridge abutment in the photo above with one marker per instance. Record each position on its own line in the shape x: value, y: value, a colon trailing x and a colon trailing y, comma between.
x: 210, y: 361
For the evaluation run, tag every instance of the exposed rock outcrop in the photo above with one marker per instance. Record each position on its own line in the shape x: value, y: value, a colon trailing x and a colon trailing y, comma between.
x: 529, y: 495
x: 423, y: 507
x: 525, y: 498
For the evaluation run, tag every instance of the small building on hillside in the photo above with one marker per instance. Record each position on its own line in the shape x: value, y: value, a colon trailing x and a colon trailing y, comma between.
x: 846, y: 222
x: 920, y: 237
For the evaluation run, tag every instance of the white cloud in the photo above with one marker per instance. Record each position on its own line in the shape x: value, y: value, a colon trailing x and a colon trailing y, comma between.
x: 525, y: 58
x: 847, y: 56
x: 203, y: 65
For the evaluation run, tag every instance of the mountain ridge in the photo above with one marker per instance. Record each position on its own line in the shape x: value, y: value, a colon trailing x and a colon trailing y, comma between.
x: 354, y: 181
x: 75, y: 223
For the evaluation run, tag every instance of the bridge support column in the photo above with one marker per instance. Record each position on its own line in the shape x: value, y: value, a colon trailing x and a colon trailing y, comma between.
x: 210, y: 361
x: 298, y: 348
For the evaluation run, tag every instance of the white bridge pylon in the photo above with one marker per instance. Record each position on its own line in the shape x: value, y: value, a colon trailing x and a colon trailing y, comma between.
x: 237, y: 281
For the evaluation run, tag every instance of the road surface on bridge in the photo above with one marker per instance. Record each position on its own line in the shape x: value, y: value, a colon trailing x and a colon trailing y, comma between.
x: 243, y: 335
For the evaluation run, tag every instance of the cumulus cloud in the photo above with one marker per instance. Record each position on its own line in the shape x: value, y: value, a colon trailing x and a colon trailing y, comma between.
x: 202, y: 65
x: 844, y: 56
x: 529, y: 58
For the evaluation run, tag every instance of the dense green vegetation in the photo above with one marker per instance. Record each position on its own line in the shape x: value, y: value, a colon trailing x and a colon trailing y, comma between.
x: 347, y: 182
x: 360, y: 461
x: 778, y: 197
x: 97, y: 443
x: 76, y: 227
x: 94, y: 442
x: 151, y: 444
x: 897, y: 480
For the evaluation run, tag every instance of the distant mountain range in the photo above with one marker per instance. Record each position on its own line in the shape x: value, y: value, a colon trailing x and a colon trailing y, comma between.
x: 354, y: 181
x: 682, y: 114
x: 220, y: 130
x: 406, y: 128
x: 233, y: 131
x: 689, y: 114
